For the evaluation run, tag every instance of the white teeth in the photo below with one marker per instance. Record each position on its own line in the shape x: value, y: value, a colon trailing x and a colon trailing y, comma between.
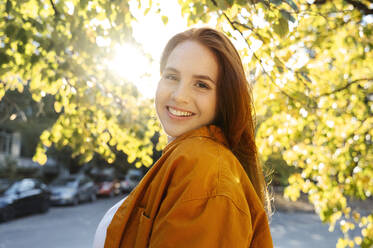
x: 179, y: 113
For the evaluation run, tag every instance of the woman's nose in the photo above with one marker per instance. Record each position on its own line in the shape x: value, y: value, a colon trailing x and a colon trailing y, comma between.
x: 180, y: 93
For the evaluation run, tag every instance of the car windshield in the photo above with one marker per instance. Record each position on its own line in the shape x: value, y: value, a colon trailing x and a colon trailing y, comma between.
x: 12, y: 189
x: 69, y: 182
x: 135, y: 177
x: 23, y: 185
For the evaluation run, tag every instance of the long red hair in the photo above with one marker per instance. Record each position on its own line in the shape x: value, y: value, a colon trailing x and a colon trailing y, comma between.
x: 235, y: 109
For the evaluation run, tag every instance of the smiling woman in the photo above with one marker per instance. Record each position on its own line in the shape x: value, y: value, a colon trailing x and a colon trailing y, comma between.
x: 208, y: 188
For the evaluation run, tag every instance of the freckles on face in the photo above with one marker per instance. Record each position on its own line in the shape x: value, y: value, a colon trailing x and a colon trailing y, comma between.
x: 186, y: 93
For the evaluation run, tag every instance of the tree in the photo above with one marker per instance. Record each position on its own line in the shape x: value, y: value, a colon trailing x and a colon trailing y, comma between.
x: 51, y: 47
x: 311, y: 62
x: 19, y: 113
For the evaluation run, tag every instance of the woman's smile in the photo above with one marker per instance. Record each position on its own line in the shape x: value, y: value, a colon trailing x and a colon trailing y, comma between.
x: 179, y: 114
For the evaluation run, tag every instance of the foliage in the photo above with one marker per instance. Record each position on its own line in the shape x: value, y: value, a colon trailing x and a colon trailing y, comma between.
x: 52, y: 48
x: 20, y: 113
x: 278, y: 170
x: 312, y: 64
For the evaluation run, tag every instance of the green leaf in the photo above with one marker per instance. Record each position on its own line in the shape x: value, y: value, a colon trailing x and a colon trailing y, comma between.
x: 230, y: 2
x: 83, y: 4
x: 241, y: 2
x: 36, y: 24
x: 20, y: 48
x: 282, y: 27
x: 199, y: 9
x: 22, y: 35
x: 8, y: 6
x: 11, y: 30
x: 4, y: 70
x: 265, y: 40
x: 279, y: 64
x: 223, y: 4
x: 4, y: 58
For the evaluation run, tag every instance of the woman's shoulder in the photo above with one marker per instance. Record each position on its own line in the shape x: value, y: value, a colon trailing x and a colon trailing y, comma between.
x: 201, y: 154
x: 207, y: 168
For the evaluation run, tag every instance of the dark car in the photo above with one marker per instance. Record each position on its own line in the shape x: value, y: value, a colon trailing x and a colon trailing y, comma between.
x: 24, y: 196
x: 72, y: 190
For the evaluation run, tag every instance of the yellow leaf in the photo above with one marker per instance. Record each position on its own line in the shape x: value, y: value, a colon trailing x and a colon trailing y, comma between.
x: 164, y: 20
x: 2, y: 93
x: 105, y: 137
x: 57, y: 106
x: 20, y: 88
x: 41, y: 158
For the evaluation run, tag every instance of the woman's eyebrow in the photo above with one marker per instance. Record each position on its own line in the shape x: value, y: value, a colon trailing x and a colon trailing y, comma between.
x: 204, y: 77
x: 171, y: 69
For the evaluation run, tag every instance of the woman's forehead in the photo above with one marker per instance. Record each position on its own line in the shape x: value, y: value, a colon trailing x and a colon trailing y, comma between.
x: 193, y: 57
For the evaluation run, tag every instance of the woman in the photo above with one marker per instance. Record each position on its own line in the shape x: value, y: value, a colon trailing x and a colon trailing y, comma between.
x: 207, y: 189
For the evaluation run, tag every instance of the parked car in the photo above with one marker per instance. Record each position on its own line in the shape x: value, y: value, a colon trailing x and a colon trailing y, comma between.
x: 132, y: 178
x: 72, y: 190
x: 24, y: 196
x: 107, y: 186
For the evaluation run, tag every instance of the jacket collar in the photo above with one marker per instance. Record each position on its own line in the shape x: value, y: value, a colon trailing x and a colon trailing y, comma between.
x: 211, y: 131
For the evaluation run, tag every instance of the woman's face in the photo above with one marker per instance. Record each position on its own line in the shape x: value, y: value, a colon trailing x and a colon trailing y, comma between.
x: 186, y: 94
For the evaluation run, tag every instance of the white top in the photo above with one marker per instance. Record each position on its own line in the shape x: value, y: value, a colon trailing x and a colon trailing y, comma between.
x: 100, y: 236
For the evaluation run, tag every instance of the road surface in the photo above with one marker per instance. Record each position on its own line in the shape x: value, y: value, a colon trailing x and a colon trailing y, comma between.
x: 74, y: 227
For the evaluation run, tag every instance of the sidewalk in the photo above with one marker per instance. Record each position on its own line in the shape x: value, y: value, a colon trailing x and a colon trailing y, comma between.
x: 295, y: 224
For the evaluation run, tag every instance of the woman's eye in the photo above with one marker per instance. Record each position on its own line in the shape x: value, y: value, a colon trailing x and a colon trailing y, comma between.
x: 202, y: 85
x: 170, y: 77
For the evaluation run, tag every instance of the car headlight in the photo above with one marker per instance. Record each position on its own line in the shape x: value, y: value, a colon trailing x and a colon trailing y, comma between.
x: 106, y: 186
x: 5, y: 202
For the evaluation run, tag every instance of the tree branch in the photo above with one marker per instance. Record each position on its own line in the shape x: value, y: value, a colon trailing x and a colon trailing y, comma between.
x: 9, y: 110
x: 56, y: 13
x: 255, y: 56
x: 360, y: 6
x: 345, y: 87
x: 357, y: 5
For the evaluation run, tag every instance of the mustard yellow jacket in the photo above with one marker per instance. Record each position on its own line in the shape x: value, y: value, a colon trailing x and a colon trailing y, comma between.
x: 196, y: 195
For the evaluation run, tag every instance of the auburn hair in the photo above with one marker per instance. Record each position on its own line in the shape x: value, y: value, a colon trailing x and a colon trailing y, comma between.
x: 235, y: 109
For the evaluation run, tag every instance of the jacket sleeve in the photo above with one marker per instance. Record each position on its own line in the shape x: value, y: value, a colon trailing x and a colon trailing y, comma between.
x: 208, y: 222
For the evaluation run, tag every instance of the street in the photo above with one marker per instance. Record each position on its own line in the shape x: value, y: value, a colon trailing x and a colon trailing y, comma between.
x: 74, y: 227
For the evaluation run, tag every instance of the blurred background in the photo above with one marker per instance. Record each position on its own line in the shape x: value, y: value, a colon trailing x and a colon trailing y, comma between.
x: 78, y: 129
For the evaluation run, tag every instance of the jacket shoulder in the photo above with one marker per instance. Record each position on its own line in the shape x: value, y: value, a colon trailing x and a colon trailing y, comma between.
x: 193, y: 167
x: 210, y: 169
